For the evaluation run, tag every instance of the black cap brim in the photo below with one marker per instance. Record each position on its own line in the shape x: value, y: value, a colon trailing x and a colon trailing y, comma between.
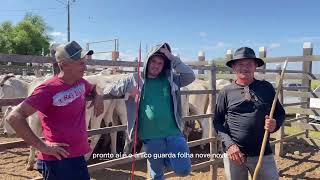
x: 84, y: 53
x: 259, y: 61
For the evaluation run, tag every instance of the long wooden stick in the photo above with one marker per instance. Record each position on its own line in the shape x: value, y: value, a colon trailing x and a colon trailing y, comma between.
x: 266, y: 133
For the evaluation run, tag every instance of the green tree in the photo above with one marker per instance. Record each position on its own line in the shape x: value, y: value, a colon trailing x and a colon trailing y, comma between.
x: 28, y: 37
x: 6, y: 37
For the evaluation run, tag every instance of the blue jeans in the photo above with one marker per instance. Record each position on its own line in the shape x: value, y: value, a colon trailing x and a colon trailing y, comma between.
x: 268, y: 169
x: 174, y: 152
x: 68, y: 168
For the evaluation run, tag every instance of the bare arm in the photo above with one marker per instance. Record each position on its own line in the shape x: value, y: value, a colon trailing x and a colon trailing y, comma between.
x: 17, y: 119
x: 123, y: 87
x: 97, y: 102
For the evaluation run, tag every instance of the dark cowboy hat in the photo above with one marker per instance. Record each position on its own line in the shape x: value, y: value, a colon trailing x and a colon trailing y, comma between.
x: 244, y: 53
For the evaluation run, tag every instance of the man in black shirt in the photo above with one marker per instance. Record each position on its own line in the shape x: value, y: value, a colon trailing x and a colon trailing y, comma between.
x: 241, y: 117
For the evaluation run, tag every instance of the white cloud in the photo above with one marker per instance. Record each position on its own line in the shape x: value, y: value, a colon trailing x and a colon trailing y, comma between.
x: 274, y: 45
x: 203, y: 34
x: 58, y: 34
x: 218, y: 45
x: 254, y: 44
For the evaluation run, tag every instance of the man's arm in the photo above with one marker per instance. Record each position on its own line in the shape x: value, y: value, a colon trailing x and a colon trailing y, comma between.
x: 96, y: 91
x: 187, y: 75
x: 97, y: 103
x: 124, y: 87
x: 17, y: 119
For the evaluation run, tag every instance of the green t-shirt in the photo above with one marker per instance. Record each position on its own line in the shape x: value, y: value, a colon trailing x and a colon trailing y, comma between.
x: 156, y: 116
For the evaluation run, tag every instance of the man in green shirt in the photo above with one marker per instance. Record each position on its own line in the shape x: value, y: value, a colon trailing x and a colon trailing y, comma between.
x: 160, y: 126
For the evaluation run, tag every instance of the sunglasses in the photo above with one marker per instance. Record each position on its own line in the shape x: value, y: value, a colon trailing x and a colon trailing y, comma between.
x: 246, y: 93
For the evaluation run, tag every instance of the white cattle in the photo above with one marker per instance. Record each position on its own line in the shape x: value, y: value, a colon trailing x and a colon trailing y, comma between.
x: 13, y: 89
x: 187, y: 126
x: 12, y: 86
x: 198, y: 103
x: 201, y: 103
x: 188, y: 104
x: 8, y: 130
x: 112, y: 107
x: 220, y: 83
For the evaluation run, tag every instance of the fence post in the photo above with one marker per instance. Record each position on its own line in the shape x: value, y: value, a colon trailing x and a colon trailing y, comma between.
x: 263, y: 54
x: 280, y: 132
x: 229, y: 55
x: 213, y: 145
x: 307, y: 67
x: 136, y: 68
x: 148, y: 170
x: 201, y: 58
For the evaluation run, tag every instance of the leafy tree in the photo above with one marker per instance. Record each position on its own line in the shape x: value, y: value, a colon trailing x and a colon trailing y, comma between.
x: 28, y: 37
x: 6, y: 36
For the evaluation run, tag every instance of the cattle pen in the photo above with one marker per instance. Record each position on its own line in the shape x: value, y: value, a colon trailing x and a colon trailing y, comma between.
x: 209, y: 70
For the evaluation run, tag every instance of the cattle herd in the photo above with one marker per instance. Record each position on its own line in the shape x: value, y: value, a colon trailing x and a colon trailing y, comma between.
x: 115, y: 113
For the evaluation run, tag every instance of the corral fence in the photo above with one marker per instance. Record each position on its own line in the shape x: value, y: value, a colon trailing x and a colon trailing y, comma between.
x: 102, y: 165
x: 302, y: 93
x: 208, y: 71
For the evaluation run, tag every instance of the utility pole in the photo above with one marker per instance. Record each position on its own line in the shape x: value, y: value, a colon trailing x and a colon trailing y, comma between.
x: 68, y: 7
x: 68, y: 18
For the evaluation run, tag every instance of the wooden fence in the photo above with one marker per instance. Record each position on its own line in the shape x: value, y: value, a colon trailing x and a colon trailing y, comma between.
x: 304, y: 92
x: 94, y: 167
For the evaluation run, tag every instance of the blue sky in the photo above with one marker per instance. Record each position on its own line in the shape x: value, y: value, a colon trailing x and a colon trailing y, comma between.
x: 189, y: 26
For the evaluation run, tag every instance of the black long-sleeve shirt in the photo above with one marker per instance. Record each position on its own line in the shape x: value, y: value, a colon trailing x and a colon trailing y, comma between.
x: 240, y: 121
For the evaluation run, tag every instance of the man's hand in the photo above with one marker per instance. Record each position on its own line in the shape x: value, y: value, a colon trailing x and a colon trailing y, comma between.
x: 134, y: 92
x: 235, y: 154
x: 270, y: 124
x: 55, y: 149
x: 166, y: 52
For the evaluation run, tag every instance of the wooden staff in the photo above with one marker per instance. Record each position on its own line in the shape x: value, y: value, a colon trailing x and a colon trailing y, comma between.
x: 266, y: 133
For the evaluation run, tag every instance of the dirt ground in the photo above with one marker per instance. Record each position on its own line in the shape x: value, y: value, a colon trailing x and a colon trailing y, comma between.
x: 301, y: 161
